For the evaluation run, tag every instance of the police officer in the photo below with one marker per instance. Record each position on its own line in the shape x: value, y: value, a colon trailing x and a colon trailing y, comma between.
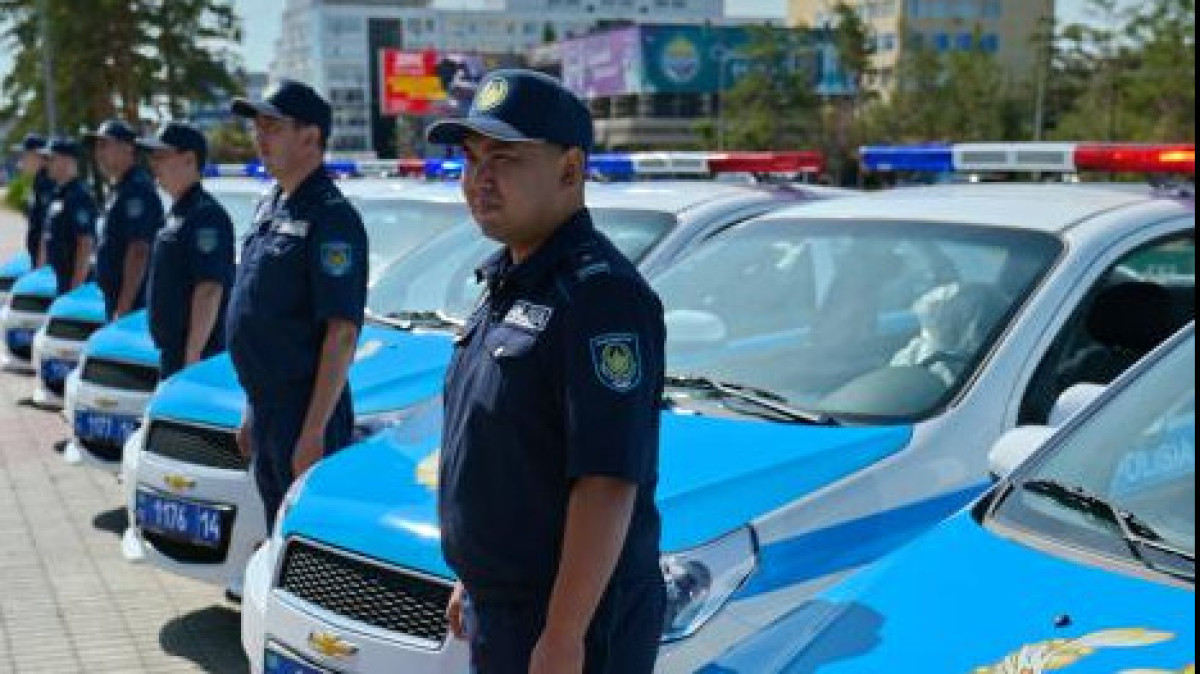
x: 132, y: 215
x: 550, y: 457
x: 70, y: 229
x: 298, y: 298
x: 41, y: 190
x: 192, y: 267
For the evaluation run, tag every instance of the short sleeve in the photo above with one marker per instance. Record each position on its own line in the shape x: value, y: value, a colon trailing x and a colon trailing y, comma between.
x: 614, y: 341
x: 83, y: 214
x: 338, y: 268
x: 212, y: 246
x: 142, y: 211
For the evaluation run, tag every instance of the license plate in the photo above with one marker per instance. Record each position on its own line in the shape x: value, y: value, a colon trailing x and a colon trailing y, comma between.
x: 278, y: 663
x: 102, y: 427
x: 19, y: 339
x: 179, y: 519
x: 55, y: 371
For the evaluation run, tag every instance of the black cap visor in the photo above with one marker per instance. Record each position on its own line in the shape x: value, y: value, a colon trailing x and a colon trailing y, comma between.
x: 455, y: 131
x: 251, y: 109
x: 152, y: 144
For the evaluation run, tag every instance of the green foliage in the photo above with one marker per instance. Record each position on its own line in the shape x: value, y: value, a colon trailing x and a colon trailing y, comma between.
x: 115, y: 57
x: 16, y: 192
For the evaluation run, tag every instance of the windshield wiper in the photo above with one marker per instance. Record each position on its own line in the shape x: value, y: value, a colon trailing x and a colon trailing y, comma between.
x: 1136, y: 533
x: 768, y: 400
x: 429, y: 318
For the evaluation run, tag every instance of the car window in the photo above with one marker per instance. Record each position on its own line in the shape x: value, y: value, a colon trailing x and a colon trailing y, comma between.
x: 240, y: 206
x: 1133, y: 307
x: 396, y: 226
x: 863, y: 319
x: 1137, y: 454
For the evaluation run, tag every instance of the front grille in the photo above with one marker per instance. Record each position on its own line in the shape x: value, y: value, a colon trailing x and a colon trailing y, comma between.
x: 6, y: 283
x: 123, y: 376
x: 31, y: 304
x: 384, y: 597
x: 69, y: 329
x: 195, y: 445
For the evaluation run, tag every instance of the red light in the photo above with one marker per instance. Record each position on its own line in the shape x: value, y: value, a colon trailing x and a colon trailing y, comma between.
x: 805, y: 161
x: 1137, y: 158
x: 411, y: 168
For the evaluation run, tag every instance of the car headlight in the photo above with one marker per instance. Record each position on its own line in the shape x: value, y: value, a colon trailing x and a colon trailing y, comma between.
x: 289, y: 501
x: 700, y: 581
x: 372, y: 424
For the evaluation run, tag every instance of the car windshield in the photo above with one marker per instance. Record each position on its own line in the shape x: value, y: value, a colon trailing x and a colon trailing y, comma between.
x: 1128, y: 471
x: 240, y: 206
x: 440, y: 276
x: 867, y: 320
x: 395, y: 227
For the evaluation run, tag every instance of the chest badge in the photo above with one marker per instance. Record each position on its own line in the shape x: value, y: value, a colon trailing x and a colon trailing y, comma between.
x: 529, y: 316
x: 618, y: 361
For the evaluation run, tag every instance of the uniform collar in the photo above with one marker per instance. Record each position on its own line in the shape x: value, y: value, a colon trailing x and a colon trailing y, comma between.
x: 500, y: 268
x: 74, y: 183
x: 186, y: 199
x: 133, y: 175
x: 307, y: 187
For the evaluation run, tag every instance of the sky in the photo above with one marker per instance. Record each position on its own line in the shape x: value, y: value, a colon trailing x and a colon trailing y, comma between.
x: 262, y: 20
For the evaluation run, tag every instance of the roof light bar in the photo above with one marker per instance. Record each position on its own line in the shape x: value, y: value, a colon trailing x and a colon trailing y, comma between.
x: 767, y: 162
x: 930, y: 158
x: 1131, y: 158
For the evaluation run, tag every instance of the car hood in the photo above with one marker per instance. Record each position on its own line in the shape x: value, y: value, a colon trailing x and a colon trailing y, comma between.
x: 16, y: 266
x: 85, y: 303
x: 715, y: 476
x: 392, y: 370
x: 962, y: 599
x: 40, y: 282
x: 126, y: 339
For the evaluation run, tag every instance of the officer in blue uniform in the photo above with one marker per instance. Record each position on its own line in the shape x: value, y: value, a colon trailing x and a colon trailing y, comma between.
x: 132, y: 215
x: 70, y: 229
x: 550, y: 458
x: 41, y: 190
x: 298, y: 298
x: 192, y: 267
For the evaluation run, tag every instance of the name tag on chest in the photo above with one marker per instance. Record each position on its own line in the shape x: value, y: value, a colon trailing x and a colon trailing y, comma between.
x: 529, y: 316
x: 297, y: 228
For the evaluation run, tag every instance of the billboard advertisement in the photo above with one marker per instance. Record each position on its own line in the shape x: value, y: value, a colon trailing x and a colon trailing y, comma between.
x: 604, y: 65
x: 411, y: 84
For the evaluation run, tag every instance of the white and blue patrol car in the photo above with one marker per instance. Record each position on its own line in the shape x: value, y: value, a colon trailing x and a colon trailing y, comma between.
x: 186, y: 460
x: 71, y: 320
x: 1082, y: 558
x: 12, y: 269
x: 23, y: 315
x: 837, y: 374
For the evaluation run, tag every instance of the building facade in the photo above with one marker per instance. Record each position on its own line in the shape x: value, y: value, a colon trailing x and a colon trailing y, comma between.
x: 1011, y: 30
x: 333, y: 44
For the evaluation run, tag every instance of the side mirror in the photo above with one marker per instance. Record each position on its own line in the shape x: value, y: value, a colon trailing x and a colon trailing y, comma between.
x: 1072, y: 401
x: 1018, y: 444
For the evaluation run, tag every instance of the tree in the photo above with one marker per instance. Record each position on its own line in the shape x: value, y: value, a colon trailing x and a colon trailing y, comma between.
x: 115, y: 58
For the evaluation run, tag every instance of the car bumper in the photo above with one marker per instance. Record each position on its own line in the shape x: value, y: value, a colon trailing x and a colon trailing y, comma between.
x: 53, y: 362
x: 19, y: 328
x: 211, y: 486
x: 85, y: 398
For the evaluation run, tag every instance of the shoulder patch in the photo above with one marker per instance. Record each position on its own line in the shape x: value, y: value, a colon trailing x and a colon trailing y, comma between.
x: 82, y: 216
x: 135, y: 207
x: 337, y: 258
x: 206, y: 240
x: 617, y: 360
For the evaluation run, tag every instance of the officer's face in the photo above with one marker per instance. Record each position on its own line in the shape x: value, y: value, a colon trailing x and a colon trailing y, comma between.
x: 113, y: 156
x: 171, y: 167
x: 515, y: 190
x: 31, y: 162
x: 62, y: 168
x: 281, y: 142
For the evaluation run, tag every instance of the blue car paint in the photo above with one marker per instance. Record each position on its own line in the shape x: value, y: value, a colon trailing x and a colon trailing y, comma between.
x: 126, y: 339
x: 85, y: 303
x: 369, y: 499
x: 962, y: 598
x: 394, y: 370
x: 16, y: 266
x: 39, y: 282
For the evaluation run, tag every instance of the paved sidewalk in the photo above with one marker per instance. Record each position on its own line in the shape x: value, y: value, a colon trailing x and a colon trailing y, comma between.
x: 68, y: 600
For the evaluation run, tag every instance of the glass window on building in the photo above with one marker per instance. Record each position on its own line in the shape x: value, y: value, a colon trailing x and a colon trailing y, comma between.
x: 914, y: 8
x: 967, y: 9
x: 990, y: 43
x: 888, y: 42
x: 965, y: 41
x: 993, y: 9
x: 916, y: 40
x: 941, y: 42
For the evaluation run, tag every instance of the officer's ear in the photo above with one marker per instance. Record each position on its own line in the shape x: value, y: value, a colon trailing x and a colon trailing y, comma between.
x: 574, y: 167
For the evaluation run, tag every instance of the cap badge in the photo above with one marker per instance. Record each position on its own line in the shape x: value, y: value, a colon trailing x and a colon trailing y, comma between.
x: 492, y: 95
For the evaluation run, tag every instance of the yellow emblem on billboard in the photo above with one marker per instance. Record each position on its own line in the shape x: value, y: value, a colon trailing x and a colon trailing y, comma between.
x: 331, y: 645
x: 492, y: 95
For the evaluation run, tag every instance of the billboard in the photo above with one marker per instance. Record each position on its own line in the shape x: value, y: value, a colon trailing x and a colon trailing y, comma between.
x: 608, y: 64
x: 411, y: 85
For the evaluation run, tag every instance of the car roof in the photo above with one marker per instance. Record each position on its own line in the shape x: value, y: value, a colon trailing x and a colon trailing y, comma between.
x: 1051, y: 208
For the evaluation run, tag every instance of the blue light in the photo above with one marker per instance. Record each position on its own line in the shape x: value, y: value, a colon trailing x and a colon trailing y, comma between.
x: 613, y: 166
x: 342, y: 168
x: 933, y: 158
x: 444, y: 169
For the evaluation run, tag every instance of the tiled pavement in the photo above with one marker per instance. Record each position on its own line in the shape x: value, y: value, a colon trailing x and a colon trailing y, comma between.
x: 68, y: 601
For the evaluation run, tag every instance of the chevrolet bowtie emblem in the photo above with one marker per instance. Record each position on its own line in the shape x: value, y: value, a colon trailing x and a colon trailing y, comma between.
x: 179, y: 483
x: 331, y: 645
x: 106, y: 403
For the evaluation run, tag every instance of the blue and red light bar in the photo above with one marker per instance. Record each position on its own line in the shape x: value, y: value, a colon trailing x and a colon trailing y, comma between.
x: 1175, y: 158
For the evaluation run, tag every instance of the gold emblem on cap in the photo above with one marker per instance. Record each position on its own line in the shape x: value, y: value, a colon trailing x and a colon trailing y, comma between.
x: 492, y: 94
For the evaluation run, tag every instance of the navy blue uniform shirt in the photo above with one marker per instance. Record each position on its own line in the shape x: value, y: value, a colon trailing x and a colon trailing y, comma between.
x: 70, y: 215
x: 558, y: 375
x: 195, y: 246
x: 37, y: 203
x: 304, y: 263
x: 132, y: 213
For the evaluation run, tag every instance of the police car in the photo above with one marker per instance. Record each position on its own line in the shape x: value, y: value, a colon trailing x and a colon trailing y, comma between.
x: 1082, y: 558
x: 12, y: 269
x: 72, y: 319
x: 838, y: 372
x: 105, y: 397
x: 188, y: 455
x: 24, y: 313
